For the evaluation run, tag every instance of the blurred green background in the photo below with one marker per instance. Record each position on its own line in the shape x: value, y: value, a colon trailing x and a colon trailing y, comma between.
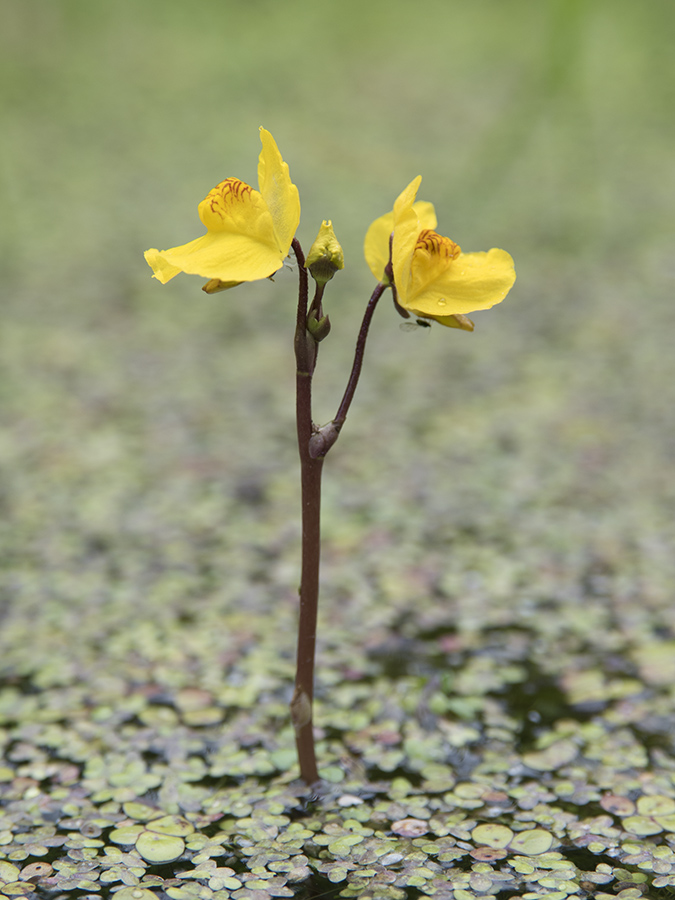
x: 147, y: 448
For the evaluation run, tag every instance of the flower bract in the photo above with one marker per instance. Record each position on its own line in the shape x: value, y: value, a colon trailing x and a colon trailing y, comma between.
x: 248, y: 232
x: 433, y: 279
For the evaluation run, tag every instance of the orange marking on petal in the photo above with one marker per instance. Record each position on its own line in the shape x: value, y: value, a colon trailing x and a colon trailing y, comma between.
x: 225, y: 194
x: 437, y: 245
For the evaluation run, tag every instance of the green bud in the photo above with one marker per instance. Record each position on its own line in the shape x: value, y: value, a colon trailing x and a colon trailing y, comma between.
x: 318, y: 328
x: 325, y: 256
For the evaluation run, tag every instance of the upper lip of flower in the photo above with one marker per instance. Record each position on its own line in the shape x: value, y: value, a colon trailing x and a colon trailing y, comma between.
x: 249, y: 233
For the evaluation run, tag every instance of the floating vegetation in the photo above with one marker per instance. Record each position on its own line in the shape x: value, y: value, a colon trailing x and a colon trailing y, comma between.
x: 102, y: 799
x: 488, y: 728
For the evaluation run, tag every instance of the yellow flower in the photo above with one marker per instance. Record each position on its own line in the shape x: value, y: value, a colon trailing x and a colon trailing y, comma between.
x: 432, y: 277
x: 248, y: 232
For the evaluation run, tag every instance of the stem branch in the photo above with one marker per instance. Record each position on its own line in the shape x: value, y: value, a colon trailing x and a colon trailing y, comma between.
x: 343, y: 409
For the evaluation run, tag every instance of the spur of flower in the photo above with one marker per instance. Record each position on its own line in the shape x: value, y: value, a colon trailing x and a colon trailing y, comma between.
x: 248, y: 232
x: 432, y: 278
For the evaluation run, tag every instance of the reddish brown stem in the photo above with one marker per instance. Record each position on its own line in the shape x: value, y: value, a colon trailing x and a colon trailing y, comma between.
x: 350, y: 390
x: 310, y: 476
x: 311, y: 466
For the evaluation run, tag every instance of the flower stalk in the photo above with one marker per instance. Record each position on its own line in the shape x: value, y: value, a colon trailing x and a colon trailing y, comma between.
x: 310, y: 482
x: 313, y: 445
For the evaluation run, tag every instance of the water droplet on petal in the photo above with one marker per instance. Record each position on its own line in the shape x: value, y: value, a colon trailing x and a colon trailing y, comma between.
x: 442, y: 302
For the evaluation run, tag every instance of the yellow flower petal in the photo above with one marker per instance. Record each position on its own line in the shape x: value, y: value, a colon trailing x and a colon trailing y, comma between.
x: 406, y: 231
x: 472, y: 281
x: 222, y: 255
x: 426, y: 214
x: 432, y: 256
x: 278, y: 192
x: 162, y: 270
x: 376, y: 244
x: 235, y: 207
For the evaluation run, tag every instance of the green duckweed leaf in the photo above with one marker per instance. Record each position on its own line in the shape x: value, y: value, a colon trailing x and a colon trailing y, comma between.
x: 8, y: 872
x: 160, y: 848
x: 666, y: 822
x: 172, y: 825
x: 127, y: 835
x: 135, y: 893
x: 558, y: 754
x: 342, y: 845
x: 139, y: 811
x: 492, y: 835
x: 531, y: 843
x: 641, y: 825
x: 655, y: 805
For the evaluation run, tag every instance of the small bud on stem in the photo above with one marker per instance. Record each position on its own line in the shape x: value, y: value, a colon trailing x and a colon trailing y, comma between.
x: 325, y: 256
x: 318, y: 328
x: 215, y: 285
x: 323, y: 439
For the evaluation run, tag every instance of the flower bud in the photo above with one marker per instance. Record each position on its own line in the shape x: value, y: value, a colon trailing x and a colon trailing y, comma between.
x: 325, y: 256
x: 323, y: 439
x: 456, y: 321
x: 318, y: 328
x: 215, y: 285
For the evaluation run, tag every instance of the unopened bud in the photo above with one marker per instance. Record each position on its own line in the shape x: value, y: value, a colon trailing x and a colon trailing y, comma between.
x: 456, y: 321
x: 215, y: 285
x: 460, y: 321
x: 318, y: 328
x: 323, y: 439
x: 325, y: 256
